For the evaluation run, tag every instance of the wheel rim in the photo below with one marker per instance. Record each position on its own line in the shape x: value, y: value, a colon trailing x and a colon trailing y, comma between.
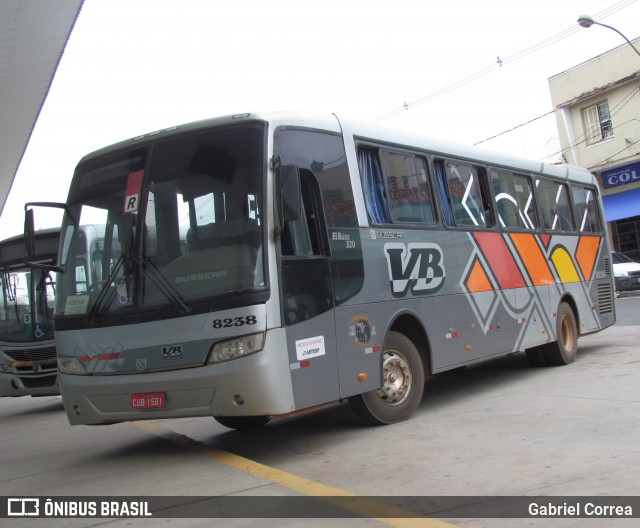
x: 396, y: 378
x: 568, y: 340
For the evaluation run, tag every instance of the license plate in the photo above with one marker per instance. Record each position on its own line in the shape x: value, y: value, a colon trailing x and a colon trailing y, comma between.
x: 147, y: 400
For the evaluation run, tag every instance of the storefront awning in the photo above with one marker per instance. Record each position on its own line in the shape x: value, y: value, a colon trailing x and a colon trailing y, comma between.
x: 621, y: 205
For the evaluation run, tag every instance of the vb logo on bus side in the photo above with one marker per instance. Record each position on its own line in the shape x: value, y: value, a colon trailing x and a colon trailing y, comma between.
x: 417, y: 267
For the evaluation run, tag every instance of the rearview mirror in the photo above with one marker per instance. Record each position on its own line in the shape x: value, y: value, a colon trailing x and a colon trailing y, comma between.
x: 29, y: 235
x: 37, y: 247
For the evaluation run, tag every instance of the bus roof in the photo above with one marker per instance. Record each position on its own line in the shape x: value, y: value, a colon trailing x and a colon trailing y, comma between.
x: 12, y: 254
x: 370, y: 131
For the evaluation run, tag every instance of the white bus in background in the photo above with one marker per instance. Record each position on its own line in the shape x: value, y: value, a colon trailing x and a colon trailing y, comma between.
x: 27, y: 349
x: 261, y: 265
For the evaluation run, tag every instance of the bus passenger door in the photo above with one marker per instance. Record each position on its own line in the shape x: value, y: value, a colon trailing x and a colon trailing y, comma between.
x: 307, y: 301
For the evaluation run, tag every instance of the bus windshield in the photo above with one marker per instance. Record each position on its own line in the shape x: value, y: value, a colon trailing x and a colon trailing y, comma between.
x: 26, y: 306
x: 171, y: 224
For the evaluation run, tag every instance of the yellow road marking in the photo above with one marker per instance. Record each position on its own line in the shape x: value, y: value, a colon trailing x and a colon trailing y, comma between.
x: 359, y: 505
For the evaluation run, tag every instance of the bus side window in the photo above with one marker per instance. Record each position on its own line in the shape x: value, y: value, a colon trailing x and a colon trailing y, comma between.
x: 409, y: 194
x: 467, y: 191
x: 554, y: 205
x: 441, y: 179
x: 586, y: 209
x: 514, y: 200
x: 373, y: 186
x: 304, y: 237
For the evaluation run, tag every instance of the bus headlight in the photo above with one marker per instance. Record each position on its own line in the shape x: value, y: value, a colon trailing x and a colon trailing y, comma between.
x: 71, y: 365
x: 236, y: 348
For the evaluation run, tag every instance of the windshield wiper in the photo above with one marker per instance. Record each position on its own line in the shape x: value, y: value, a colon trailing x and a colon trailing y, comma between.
x: 160, y: 281
x: 95, y: 307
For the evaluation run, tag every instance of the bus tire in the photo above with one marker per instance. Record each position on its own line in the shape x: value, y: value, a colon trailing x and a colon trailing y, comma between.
x: 242, y: 423
x: 402, y: 385
x: 535, y: 356
x: 563, y: 351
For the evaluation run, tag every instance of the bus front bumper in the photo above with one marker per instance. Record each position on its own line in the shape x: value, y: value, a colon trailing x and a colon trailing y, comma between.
x: 15, y: 385
x: 250, y: 386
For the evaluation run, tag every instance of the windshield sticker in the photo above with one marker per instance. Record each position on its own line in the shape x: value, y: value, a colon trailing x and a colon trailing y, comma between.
x: 125, y: 294
x: 310, y: 347
x: 76, y: 305
x: 132, y: 194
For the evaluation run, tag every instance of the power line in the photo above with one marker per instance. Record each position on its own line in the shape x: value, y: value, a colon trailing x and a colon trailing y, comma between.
x: 614, y: 111
x: 611, y: 159
x: 500, y: 61
x: 516, y: 127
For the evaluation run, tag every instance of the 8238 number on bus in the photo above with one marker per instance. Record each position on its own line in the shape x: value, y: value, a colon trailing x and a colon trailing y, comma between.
x: 236, y: 321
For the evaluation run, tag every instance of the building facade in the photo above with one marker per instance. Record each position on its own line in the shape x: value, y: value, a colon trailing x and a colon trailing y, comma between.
x: 598, y: 117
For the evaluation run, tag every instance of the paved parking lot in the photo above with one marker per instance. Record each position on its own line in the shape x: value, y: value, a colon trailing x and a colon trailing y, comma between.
x: 499, y: 428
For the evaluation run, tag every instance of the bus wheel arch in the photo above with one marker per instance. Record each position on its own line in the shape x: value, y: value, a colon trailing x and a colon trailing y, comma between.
x: 405, y: 368
x: 569, y: 300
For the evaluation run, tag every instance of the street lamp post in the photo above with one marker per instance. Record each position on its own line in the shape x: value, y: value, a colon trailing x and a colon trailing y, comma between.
x: 586, y: 22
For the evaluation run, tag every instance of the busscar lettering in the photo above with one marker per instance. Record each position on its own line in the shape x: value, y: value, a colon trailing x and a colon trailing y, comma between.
x: 201, y: 276
x: 382, y: 235
x: 417, y: 267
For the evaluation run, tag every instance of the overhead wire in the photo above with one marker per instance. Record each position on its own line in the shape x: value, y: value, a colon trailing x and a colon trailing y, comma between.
x: 516, y: 127
x: 501, y: 60
x: 611, y: 158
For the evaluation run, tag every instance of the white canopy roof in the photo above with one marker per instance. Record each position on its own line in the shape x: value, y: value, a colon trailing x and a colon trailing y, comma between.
x: 33, y: 34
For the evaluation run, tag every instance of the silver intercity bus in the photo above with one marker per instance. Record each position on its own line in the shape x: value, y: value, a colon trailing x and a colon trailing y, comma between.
x: 259, y: 265
x: 27, y: 350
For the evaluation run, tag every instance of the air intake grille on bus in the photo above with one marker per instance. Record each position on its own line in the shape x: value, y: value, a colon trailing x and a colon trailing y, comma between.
x: 607, y: 267
x: 32, y: 354
x: 605, y: 299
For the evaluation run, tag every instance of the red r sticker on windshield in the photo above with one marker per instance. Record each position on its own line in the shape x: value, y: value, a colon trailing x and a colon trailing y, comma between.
x: 134, y: 189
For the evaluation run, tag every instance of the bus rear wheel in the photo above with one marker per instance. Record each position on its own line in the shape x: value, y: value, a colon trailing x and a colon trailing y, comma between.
x: 243, y: 423
x: 535, y: 356
x: 402, y: 385
x: 564, y: 350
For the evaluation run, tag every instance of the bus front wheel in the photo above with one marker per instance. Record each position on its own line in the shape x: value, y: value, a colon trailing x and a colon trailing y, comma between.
x: 402, y: 385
